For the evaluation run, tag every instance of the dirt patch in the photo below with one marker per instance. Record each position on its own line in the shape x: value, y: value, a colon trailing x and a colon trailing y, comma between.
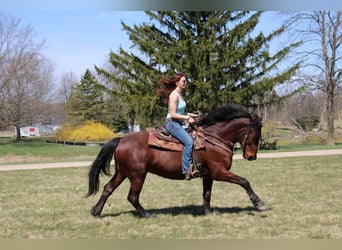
x: 11, y: 158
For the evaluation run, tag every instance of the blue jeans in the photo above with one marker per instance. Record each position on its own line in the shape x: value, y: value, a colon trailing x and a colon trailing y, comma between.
x: 176, y: 130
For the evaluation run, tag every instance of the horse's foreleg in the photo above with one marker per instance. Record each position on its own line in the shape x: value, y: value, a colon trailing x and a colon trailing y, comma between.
x: 207, y: 187
x: 233, y: 178
x: 107, y: 191
x: 134, y: 193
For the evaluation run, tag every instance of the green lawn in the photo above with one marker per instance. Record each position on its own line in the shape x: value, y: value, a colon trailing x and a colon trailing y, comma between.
x: 303, y: 194
x: 36, y: 149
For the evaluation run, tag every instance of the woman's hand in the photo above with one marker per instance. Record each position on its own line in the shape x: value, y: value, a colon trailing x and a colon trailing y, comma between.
x: 191, y: 120
x: 193, y: 117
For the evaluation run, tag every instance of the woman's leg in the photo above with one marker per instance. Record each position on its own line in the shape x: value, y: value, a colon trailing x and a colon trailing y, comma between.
x: 179, y: 132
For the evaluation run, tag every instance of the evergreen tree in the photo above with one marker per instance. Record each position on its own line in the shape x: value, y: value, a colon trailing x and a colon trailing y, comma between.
x: 86, y: 101
x: 216, y: 50
x: 118, y: 117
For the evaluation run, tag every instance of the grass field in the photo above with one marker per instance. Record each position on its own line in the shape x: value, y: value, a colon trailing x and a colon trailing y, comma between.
x: 36, y: 150
x: 33, y: 150
x: 303, y: 194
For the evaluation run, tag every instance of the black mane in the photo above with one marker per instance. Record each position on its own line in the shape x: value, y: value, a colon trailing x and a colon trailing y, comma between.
x: 224, y: 113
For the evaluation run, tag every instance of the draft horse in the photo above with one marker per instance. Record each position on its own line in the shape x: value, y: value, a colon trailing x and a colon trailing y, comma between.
x: 134, y: 158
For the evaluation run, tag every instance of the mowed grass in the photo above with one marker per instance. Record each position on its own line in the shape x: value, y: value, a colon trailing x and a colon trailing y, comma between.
x: 303, y: 194
x: 37, y: 150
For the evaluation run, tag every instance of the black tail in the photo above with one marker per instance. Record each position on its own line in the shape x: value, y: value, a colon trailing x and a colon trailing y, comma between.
x: 101, y: 163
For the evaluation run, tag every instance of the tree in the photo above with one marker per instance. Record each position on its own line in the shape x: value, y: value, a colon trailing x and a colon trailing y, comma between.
x: 67, y: 82
x: 86, y: 102
x: 26, y: 75
x: 321, y: 32
x: 119, y: 115
x: 131, y: 90
x: 62, y: 94
x: 222, y: 58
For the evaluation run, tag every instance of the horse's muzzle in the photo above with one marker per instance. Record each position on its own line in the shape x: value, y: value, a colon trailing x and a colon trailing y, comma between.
x: 251, y: 158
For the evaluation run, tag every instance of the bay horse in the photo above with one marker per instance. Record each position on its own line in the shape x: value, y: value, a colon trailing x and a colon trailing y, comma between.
x: 134, y: 158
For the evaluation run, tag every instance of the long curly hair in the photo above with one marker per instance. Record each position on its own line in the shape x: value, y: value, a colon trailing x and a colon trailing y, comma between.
x: 167, y: 84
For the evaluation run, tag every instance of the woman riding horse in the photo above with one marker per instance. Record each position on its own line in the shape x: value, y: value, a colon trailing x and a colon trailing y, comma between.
x: 134, y: 158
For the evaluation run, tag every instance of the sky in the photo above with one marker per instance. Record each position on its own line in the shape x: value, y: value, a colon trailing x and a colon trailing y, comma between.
x: 78, y: 40
x: 79, y: 34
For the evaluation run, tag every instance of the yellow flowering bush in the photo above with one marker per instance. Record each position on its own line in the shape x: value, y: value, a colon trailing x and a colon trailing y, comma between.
x: 90, y: 131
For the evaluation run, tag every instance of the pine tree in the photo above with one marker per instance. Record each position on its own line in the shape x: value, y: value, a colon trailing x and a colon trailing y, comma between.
x: 216, y: 50
x: 86, y: 101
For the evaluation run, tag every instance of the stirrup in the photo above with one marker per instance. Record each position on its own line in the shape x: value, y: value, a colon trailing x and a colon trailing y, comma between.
x: 193, y: 172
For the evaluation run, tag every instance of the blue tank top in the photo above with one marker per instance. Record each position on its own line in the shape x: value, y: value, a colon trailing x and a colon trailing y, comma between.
x: 180, y: 107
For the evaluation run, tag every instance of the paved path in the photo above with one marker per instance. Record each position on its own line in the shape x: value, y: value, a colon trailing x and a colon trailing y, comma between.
x: 20, y: 166
x: 87, y: 163
x: 297, y: 153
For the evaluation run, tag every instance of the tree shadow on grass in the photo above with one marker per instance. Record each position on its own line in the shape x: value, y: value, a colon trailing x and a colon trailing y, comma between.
x: 193, y: 210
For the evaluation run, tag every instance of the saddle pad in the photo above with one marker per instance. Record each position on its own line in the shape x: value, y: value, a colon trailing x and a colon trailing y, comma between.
x: 159, y: 140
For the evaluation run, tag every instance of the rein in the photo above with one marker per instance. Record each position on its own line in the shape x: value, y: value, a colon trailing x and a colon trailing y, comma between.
x: 226, y: 145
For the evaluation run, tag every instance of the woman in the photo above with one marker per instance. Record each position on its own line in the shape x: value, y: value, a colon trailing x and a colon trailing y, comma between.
x: 176, y: 117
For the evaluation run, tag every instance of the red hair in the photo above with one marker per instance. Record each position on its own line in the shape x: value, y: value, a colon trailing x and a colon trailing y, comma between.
x: 168, y: 84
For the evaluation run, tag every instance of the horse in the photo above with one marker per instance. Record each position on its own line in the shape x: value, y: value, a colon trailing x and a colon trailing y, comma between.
x: 134, y: 158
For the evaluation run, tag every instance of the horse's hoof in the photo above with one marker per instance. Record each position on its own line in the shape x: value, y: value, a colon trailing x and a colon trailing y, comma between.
x: 94, y: 213
x: 96, y: 216
x: 148, y: 215
x: 262, y: 207
x: 208, y: 212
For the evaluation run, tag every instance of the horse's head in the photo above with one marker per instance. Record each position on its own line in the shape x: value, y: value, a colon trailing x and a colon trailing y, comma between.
x: 233, y: 123
x: 249, y: 138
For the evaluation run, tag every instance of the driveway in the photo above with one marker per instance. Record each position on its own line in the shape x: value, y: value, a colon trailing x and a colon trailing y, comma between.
x: 20, y: 166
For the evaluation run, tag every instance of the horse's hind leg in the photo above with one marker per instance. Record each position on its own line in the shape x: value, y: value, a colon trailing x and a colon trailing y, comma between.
x: 107, y: 191
x: 134, y: 193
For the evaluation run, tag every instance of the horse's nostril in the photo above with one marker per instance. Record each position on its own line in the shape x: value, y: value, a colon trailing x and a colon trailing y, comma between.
x: 251, y: 158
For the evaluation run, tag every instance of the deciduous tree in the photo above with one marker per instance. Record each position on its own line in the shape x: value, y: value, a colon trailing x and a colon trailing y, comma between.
x: 321, y: 32
x: 26, y: 75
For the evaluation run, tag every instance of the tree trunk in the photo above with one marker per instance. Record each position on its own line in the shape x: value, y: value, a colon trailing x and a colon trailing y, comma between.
x: 17, y: 128
x: 330, y: 119
x: 131, y: 121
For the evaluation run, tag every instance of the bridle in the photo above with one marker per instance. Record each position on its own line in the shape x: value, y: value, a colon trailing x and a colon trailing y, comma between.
x: 243, y: 144
x: 244, y: 141
x: 225, y: 144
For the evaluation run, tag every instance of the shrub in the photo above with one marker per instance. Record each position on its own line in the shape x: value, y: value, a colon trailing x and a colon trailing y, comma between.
x: 64, y: 133
x: 268, y: 144
x: 90, y: 131
x: 267, y: 140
